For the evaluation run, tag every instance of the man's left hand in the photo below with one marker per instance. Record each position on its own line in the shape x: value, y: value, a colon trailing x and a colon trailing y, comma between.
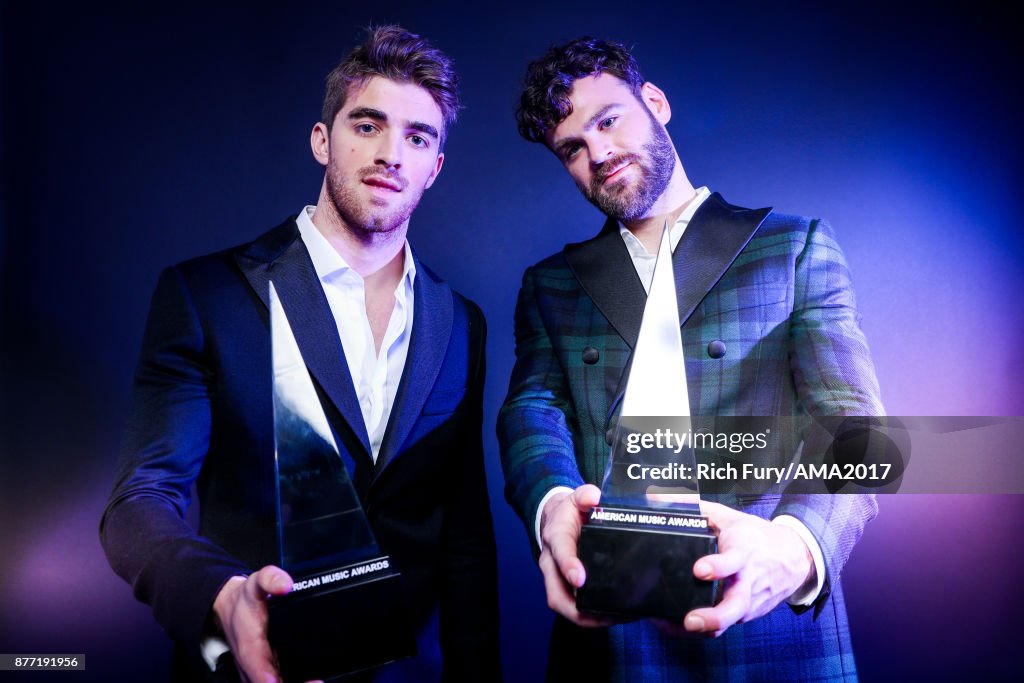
x: 761, y: 564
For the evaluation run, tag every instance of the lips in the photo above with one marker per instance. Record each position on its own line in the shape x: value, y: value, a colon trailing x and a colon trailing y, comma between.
x: 614, y: 172
x: 612, y: 169
x: 384, y: 183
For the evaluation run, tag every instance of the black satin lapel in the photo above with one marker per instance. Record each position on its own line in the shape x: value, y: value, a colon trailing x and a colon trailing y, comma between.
x: 431, y: 332
x: 287, y: 264
x: 257, y: 259
x: 607, y: 274
x: 715, y: 236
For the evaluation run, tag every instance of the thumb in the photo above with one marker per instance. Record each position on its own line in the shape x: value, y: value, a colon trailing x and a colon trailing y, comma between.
x: 586, y: 497
x: 272, y: 580
x: 719, y: 516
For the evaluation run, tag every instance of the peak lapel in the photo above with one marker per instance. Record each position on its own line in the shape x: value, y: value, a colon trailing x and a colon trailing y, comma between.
x: 606, y: 273
x: 281, y: 256
x: 716, y: 235
x: 431, y: 332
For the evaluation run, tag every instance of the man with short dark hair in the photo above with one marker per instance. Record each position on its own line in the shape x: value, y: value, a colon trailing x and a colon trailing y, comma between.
x: 769, y: 328
x: 397, y: 359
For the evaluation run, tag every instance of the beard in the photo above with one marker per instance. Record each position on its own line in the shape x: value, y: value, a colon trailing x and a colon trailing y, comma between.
x: 374, y: 215
x: 623, y: 202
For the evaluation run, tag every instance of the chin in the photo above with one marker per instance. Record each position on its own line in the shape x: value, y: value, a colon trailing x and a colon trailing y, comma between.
x: 383, y: 224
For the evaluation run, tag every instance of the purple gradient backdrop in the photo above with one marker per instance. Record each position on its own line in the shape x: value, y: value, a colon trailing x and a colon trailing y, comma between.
x: 136, y: 138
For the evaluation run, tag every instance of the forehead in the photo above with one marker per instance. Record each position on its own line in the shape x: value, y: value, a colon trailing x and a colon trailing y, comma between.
x: 404, y: 102
x: 588, y: 96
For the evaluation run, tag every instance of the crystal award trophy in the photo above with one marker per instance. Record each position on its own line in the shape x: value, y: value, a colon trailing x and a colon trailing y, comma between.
x: 639, y: 546
x: 346, y: 612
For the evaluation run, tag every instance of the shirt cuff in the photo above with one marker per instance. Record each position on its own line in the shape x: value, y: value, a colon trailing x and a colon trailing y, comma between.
x: 212, y: 648
x: 807, y: 595
x: 540, y: 510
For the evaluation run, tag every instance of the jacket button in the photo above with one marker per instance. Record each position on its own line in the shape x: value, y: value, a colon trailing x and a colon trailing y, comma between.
x: 716, y: 349
x: 591, y: 355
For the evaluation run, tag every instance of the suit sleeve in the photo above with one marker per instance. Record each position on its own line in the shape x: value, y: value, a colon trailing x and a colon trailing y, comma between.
x: 469, y: 599
x: 834, y: 376
x: 534, y: 423
x: 144, y: 533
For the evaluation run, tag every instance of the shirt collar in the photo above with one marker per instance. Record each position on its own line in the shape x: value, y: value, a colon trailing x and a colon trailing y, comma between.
x: 636, y: 248
x: 327, y: 262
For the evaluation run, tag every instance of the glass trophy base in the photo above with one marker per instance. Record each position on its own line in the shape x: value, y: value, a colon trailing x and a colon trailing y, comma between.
x: 639, y: 563
x: 341, y: 621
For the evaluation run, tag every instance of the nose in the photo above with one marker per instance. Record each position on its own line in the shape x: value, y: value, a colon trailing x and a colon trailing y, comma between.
x: 602, y: 150
x: 389, y: 151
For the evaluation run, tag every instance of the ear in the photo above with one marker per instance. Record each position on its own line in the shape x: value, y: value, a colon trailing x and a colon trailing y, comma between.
x: 652, y: 96
x: 437, y: 169
x: 320, y: 143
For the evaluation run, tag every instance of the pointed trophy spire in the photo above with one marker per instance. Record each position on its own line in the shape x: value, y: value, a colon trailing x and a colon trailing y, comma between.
x: 320, y: 520
x: 657, y: 377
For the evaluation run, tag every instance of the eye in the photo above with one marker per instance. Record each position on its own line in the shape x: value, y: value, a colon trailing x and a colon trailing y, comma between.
x: 418, y: 141
x: 608, y: 122
x: 366, y: 128
x: 569, y: 151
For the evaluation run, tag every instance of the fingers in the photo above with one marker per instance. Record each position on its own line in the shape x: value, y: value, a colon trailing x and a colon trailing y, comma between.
x: 562, y: 531
x: 253, y: 656
x: 755, y: 560
x: 257, y: 676
x: 561, y: 538
x: 559, y: 563
x: 247, y: 635
x: 715, y: 620
x: 721, y: 565
x: 560, y: 598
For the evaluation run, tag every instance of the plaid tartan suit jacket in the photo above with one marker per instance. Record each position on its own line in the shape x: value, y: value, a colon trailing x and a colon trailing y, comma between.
x: 776, y: 290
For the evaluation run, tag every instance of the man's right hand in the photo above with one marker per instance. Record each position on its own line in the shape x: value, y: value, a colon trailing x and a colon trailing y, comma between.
x: 241, y: 611
x: 560, y: 524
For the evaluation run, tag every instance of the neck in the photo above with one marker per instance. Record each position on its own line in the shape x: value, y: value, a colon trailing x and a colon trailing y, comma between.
x: 667, y: 209
x: 367, y: 252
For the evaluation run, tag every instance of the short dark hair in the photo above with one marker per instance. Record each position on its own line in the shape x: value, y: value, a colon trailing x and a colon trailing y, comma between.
x: 545, y: 99
x: 398, y: 55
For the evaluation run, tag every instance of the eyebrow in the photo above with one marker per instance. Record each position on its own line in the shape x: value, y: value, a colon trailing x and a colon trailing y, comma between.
x: 425, y: 128
x: 378, y: 115
x: 367, y: 113
x: 589, y: 125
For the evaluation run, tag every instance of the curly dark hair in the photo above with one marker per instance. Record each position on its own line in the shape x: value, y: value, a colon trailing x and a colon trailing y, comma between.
x: 545, y: 99
x: 396, y: 54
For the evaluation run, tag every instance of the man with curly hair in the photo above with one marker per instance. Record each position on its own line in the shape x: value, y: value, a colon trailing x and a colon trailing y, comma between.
x: 769, y: 328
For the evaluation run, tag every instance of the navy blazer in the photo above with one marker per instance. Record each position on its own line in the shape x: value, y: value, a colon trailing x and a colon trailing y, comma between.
x: 202, y: 414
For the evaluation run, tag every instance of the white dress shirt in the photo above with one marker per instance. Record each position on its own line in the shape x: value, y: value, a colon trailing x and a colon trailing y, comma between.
x: 374, y: 376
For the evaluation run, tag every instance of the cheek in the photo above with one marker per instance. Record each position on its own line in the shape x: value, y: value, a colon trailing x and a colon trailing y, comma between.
x: 421, y: 171
x: 346, y: 146
x: 580, y: 173
x: 350, y: 159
